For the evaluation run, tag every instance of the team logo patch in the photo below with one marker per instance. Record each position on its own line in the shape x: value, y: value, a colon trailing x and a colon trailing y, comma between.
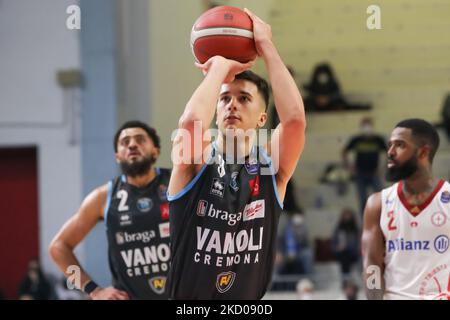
x: 438, y: 219
x: 445, y: 197
x: 158, y: 284
x: 164, y: 210
x: 254, y: 186
x: 144, y: 204
x: 224, y: 281
x: 125, y: 220
x: 202, y: 207
x: 414, y: 224
x: 217, y: 188
x: 441, y: 243
x: 162, y: 192
x: 233, y: 181
x: 436, y: 284
x: 164, y: 231
x: 254, y: 210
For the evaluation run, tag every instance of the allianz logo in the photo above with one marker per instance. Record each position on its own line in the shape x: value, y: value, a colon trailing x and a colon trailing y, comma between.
x: 440, y: 244
x: 126, y: 237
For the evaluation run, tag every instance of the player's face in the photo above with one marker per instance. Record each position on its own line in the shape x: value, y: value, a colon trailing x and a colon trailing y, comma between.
x: 134, y: 145
x: 240, y: 106
x: 402, y: 155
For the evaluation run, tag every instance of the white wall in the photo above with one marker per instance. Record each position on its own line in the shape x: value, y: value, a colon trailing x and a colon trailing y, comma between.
x: 35, y: 44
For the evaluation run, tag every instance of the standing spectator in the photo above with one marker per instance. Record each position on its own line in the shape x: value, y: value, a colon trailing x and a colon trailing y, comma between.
x: 345, y: 242
x: 35, y: 285
x: 367, y: 147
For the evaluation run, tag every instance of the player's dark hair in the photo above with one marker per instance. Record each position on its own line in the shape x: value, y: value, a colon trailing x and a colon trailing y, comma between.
x: 261, y: 84
x: 423, y: 134
x: 138, y: 124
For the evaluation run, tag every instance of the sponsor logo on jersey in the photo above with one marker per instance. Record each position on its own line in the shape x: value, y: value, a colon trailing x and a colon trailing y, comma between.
x: 438, y: 219
x: 254, y: 210
x: 223, y: 215
x: 164, y: 210
x: 233, y: 181
x: 224, y: 281
x: 164, y: 231
x: 146, y: 260
x: 252, y: 166
x: 254, y: 186
x: 125, y: 220
x: 126, y: 237
x: 202, y: 207
x: 389, y: 202
x: 162, y: 192
x: 144, y: 204
x: 407, y: 245
x: 441, y: 243
x: 445, y: 197
x: 217, y: 188
x: 157, y: 284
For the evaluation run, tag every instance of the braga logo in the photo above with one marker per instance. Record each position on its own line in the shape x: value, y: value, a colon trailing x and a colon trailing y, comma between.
x: 157, y: 284
x: 224, y: 281
x: 441, y: 243
x: 125, y: 237
x: 144, y: 204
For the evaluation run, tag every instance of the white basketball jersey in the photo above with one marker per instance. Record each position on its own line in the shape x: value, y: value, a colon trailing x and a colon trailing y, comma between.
x: 417, y: 255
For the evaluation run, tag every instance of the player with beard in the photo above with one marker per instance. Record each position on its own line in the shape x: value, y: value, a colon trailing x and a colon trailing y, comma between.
x: 135, y: 209
x: 406, y: 226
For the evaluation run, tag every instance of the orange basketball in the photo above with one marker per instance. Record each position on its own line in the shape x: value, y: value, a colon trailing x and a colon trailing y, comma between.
x: 225, y: 31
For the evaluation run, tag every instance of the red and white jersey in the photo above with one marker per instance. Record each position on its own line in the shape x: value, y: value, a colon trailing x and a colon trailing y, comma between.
x: 417, y: 255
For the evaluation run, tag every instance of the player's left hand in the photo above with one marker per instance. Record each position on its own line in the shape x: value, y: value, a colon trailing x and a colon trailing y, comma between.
x: 262, y: 32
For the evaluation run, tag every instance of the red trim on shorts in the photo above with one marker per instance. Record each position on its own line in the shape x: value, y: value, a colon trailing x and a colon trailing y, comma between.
x: 422, y: 206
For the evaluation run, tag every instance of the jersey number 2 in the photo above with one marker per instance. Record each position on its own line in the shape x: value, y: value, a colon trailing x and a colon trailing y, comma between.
x: 123, y: 196
x: 391, y: 221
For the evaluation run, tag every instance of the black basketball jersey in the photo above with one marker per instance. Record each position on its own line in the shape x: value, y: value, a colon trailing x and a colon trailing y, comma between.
x: 223, y: 228
x: 137, y: 226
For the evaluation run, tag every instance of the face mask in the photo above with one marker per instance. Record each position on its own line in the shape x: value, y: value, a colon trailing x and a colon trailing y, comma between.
x: 297, y: 220
x: 367, y: 129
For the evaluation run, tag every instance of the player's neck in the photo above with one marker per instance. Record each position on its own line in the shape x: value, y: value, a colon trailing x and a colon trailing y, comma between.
x: 421, y: 181
x: 234, y: 148
x: 144, y: 180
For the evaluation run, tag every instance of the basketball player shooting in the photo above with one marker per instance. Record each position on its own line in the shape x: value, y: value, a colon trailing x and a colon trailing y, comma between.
x: 406, y: 226
x: 224, y: 215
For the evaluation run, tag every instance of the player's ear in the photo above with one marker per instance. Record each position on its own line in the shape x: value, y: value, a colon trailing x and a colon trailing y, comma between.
x: 116, y: 155
x: 156, y: 152
x: 262, y: 120
x: 424, y: 151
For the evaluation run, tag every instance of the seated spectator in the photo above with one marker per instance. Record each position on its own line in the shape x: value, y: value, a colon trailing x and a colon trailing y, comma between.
x: 324, y: 92
x: 345, y: 242
x: 35, y: 286
x: 350, y: 290
x: 296, y: 250
x: 305, y: 289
